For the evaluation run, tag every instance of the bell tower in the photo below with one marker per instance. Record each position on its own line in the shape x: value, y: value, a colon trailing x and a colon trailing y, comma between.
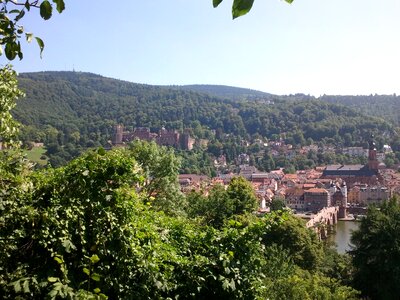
x: 372, y: 160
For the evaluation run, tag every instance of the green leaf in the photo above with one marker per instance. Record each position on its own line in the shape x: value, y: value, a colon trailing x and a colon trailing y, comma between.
x: 46, y: 10
x: 58, y: 260
x: 41, y: 45
x: 225, y: 284
x: 94, y: 259
x: 27, y: 5
x: 232, y: 285
x: 52, y: 279
x: 17, y: 286
x: 289, y: 1
x: 86, y: 271
x: 60, y: 5
x: 96, y: 290
x: 68, y: 245
x: 10, y: 50
x: 101, y: 151
x: 159, y: 284
x: 26, y: 286
x: 241, y: 7
x: 95, y: 277
x: 20, y: 15
x: 53, y: 293
x: 20, y: 55
x: 216, y: 2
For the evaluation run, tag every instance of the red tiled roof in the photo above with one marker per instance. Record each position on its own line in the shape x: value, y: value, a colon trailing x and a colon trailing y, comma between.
x: 316, y: 190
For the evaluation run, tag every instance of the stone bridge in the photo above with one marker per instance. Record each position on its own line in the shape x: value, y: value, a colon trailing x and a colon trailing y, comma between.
x: 322, y: 220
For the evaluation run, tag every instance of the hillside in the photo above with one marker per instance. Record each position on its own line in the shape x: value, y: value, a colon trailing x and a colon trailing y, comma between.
x: 72, y: 108
x: 384, y: 106
x: 228, y: 92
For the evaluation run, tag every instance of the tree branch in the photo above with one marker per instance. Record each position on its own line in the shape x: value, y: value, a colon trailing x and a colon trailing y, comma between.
x: 33, y: 4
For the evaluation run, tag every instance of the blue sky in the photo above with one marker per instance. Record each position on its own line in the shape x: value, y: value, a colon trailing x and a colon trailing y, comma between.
x: 311, y: 46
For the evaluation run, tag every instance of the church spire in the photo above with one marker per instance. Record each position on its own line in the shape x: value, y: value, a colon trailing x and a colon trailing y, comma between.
x: 372, y: 159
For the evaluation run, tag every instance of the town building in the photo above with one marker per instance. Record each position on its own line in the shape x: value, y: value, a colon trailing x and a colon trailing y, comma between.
x: 294, y: 198
x: 355, y: 151
x: 316, y: 199
x: 373, y: 195
x: 190, y: 182
x: 352, y: 174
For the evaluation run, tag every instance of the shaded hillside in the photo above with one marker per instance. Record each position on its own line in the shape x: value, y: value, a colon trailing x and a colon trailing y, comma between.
x: 72, y: 108
x: 384, y: 106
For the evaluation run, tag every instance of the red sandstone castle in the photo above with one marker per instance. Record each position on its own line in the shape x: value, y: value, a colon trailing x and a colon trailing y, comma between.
x: 164, y: 137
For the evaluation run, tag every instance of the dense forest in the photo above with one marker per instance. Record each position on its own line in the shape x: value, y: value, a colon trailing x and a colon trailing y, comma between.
x: 385, y: 106
x: 73, y: 111
x: 228, y: 92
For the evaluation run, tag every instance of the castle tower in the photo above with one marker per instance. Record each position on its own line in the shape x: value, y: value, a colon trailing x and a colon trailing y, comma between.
x: 118, y: 134
x: 372, y: 160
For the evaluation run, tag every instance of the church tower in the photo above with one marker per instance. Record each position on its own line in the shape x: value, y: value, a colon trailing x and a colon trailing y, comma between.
x: 372, y: 160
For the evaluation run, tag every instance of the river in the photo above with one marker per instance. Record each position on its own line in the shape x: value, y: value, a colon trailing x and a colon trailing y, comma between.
x: 341, y: 236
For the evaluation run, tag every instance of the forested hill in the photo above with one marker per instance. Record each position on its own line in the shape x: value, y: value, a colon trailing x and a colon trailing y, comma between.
x: 384, y: 106
x: 75, y: 107
x: 228, y: 92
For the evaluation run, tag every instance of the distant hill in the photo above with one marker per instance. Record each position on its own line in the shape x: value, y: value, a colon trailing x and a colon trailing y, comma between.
x: 229, y: 92
x: 64, y: 109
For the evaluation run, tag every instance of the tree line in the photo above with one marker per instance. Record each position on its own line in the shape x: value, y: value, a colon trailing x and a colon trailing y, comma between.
x: 72, y: 111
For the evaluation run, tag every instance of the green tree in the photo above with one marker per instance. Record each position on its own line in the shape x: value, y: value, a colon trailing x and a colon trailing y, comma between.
x: 214, y: 209
x: 302, y: 243
x: 376, y: 256
x: 222, y: 204
x: 161, y: 167
x: 241, y: 193
x: 277, y: 204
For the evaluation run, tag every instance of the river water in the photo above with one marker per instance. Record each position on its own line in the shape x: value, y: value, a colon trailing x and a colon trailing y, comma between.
x: 342, y: 234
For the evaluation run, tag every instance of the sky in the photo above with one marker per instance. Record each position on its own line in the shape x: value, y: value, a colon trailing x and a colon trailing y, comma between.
x: 315, y: 47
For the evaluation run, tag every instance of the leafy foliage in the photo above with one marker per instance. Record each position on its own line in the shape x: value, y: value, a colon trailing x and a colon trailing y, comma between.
x: 241, y: 192
x: 11, y: 31
x: 9, y: 93
x: 161, y: 169
x: 376, y: 255
x: 277, y: 204
x: 240, y: 7
x: 303, y: 245
x: 220, y: 204
x: 85, y: 231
